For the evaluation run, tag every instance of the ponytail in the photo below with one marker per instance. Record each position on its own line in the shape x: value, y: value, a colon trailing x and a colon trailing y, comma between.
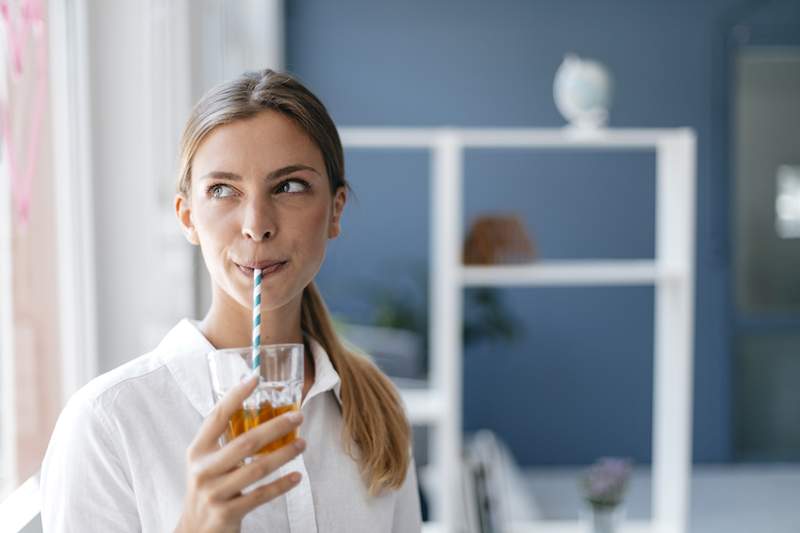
x: 374, y: 420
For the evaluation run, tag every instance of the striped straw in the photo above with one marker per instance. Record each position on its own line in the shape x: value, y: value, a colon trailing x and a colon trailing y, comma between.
x: 256, y: 317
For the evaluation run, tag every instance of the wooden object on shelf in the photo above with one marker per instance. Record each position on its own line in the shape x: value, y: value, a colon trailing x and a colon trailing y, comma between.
x: 498, y: 239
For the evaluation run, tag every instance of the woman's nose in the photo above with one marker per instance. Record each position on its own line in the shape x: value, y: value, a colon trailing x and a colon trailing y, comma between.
x: 259, y: 221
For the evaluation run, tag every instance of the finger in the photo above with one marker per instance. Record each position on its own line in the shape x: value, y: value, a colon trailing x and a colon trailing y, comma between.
x: 247, y: 502
x: 216, y: 422
x: 232, y: 484
x: 249, y: 443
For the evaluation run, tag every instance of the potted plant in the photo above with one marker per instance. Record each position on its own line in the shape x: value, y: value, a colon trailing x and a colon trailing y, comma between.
x: 486, y: 316
x: 403, y: 307
x: 604, y: 485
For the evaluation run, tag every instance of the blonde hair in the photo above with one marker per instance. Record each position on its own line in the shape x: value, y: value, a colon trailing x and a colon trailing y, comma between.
x: 376, y: 432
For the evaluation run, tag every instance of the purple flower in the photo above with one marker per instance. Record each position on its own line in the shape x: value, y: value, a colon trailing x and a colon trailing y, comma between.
x: 605, y: 482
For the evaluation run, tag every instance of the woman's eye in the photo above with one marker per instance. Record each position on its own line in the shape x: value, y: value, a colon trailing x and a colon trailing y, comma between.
x: 286, y: 186
x: 220, y: 191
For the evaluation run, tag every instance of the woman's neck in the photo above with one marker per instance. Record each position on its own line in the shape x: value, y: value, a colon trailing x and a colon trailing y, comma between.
x: 228, y: 325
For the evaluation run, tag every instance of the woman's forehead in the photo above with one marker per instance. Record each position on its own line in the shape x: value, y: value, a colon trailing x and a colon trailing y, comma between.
x: 263, y: 143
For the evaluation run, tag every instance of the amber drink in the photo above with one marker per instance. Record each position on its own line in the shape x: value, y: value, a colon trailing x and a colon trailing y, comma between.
x: 279, y: 389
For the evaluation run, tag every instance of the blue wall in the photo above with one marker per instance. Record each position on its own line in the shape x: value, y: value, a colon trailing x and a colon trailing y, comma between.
x: 579, y: 384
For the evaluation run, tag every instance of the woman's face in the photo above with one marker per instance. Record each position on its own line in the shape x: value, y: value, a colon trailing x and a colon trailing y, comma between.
x: 260, y: 194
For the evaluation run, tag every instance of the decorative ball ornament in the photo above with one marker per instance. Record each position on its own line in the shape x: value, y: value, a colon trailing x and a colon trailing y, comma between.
x: 582, y: 90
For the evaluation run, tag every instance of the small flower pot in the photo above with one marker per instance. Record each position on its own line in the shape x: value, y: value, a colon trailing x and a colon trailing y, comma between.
x: 602, y: 519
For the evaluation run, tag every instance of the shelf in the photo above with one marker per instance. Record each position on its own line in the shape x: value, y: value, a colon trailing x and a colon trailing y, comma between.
x: 423, y: 406
x: 564, y: 138
x: 671, y: 273
x: 567, y: 138
x: 574, y: 526
x: 566, y: 273
x: 560, y: 526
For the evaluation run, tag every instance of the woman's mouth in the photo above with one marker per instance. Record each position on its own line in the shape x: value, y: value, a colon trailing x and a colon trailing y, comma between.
x: 265, y: 272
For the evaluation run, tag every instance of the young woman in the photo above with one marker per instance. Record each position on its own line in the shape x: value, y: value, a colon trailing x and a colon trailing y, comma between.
x: 261, y: 185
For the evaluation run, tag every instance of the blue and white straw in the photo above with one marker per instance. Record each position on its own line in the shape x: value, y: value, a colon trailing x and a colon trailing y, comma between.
x: 256, y: 317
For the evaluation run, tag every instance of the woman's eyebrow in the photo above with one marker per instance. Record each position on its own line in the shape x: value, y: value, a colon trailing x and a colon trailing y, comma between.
x: 275, y: 174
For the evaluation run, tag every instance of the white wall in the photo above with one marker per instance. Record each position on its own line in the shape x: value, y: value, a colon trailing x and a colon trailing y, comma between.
x: 144, y: 282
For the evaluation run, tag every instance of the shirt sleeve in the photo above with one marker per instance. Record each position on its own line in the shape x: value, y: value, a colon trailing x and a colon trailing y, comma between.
x: 407, y: 514
x: 84, y: 486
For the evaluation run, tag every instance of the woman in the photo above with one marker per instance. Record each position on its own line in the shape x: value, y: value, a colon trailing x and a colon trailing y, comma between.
x: 261, y: 185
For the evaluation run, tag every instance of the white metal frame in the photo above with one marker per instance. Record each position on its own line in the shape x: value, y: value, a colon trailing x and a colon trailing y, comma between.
x: 21, y: 506
x: 671, y: 272
x: 71, y: 126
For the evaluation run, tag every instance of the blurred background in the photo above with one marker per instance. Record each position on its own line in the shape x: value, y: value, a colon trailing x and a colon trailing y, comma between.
x: 94, y: 270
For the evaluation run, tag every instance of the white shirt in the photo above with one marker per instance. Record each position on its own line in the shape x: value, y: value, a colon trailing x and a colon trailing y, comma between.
x: 116, y: 459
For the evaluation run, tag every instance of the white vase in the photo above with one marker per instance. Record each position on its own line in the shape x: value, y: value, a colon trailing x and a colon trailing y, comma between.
x: 602, y: 519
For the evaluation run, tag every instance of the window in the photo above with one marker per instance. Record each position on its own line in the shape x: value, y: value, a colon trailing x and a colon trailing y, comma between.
x: 29, y: 322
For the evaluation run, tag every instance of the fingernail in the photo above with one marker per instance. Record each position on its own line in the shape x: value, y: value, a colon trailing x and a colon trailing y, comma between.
x: 295, y: 416
x: 300, y: 445
x: 294, y: 477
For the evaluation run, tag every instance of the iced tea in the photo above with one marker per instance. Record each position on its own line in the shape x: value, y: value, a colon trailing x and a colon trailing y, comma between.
x: 279, y: 390
x: 246, y: 419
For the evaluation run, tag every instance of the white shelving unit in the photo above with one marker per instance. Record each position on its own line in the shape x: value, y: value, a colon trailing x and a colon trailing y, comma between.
x: 671, y: 272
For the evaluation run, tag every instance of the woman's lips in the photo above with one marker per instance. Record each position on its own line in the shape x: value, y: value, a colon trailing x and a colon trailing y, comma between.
x: 266, y: 272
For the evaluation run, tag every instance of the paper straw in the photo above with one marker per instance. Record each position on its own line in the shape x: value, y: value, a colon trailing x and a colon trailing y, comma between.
x: 256, y: 317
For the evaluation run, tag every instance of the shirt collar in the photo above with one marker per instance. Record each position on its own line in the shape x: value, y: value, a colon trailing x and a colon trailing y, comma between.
x: 184, y: 350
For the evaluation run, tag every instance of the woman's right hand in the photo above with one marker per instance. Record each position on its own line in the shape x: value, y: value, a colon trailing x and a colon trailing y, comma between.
x: 214, y: 501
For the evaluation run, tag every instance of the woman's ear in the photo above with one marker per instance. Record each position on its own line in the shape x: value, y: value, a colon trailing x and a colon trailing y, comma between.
x: 339, y: 199
x: 183, y: 211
